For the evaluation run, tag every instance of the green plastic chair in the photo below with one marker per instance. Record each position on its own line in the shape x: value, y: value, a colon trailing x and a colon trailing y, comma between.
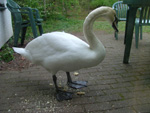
x: 143, y: 20
x: 20, y: 24
x: 121, y: 11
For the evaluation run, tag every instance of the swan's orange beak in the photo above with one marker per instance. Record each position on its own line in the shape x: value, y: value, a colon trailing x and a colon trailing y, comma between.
x: 114, y: 24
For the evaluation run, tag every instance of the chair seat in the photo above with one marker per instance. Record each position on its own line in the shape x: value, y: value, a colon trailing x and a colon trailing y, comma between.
x: 137, y: 21
x: 122, y: 19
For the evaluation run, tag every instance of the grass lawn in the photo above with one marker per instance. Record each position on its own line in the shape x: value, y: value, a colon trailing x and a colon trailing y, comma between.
x: 76, y: 25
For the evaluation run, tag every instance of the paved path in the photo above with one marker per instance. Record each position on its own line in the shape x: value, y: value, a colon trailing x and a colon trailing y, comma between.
x: 113, y: 87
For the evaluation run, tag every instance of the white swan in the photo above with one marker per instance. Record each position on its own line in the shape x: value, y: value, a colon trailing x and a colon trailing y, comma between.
x: 62, y: 51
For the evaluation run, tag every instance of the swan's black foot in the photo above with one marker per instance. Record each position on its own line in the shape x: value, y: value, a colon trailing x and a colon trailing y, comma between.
x: 77, y: 84
x: 63, y: 95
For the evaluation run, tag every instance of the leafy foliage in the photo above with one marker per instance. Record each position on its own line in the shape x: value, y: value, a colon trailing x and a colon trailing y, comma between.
x: 97, y: 3
x: 6, y: 53
x: 53, y: 8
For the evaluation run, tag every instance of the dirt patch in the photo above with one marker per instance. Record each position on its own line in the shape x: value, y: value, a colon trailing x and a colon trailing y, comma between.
x: 17, y: 63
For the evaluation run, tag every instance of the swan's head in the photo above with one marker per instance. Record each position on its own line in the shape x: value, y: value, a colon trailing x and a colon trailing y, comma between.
x: 110, y: 15
x: 114, y: 21
x: 114, y: 24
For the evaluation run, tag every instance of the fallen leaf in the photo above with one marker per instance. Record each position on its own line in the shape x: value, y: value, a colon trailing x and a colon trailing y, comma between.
x: 51, y: 84
x: 76, y: 73
x: 22, y: 58
x: 80, y: 93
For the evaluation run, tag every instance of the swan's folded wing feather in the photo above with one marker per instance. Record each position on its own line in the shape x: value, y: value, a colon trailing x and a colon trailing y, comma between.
x: 54, y: 44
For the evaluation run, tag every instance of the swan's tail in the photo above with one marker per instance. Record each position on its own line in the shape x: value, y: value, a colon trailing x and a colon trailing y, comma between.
x: 23, y: 52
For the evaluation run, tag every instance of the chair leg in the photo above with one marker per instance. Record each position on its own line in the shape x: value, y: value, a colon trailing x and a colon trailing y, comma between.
x: 116, y: 33
x: 136, y: 35
x: 126, y: 26
x: 33, y: 25
x: 40, y: 29
x: 141, y: 32
x: 17, y: 30
x: 34, y: 30
x: 24, y: 29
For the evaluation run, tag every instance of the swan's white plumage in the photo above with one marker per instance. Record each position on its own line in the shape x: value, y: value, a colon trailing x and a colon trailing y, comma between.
x: 62, y: 51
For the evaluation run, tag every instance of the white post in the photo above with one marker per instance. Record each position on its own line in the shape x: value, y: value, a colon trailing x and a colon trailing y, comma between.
x: 5, y: 25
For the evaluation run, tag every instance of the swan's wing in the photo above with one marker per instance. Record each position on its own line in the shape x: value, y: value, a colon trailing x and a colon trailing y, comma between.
x: 54, y: 44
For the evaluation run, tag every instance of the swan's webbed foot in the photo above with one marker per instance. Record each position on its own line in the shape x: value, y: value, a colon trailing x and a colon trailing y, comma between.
x: 63, y: 95
x: 75, y: 84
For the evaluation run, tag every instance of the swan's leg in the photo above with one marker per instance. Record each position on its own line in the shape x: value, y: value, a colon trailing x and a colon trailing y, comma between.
x: 75, y: 84
x: 61, y: 95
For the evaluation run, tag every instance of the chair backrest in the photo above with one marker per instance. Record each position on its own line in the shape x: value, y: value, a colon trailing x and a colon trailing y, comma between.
x: 145, y: 16
x: 121, y: 10
x: 12, y: 6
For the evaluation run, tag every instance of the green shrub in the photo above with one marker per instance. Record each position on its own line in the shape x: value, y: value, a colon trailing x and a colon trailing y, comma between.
x: 97, y: 3
x: 6, y: 53
x: 51, y: 8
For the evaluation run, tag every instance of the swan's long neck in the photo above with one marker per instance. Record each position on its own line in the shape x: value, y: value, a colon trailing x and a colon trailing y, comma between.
x: 88, y: 29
